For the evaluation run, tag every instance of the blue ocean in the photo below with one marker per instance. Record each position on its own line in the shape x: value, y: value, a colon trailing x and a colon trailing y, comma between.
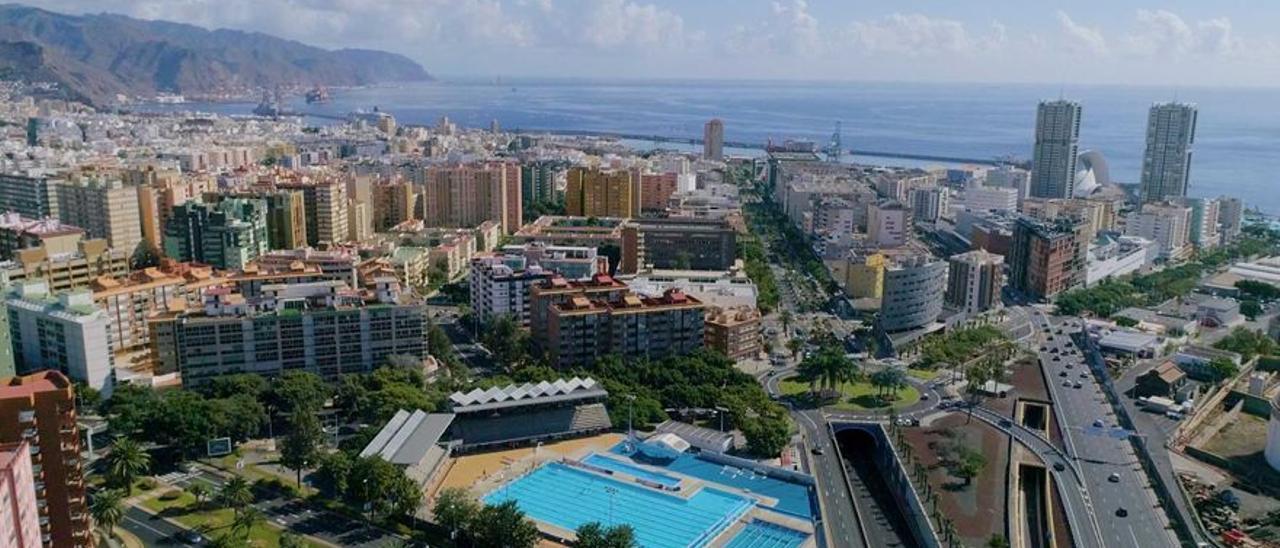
x: 1237, y: 149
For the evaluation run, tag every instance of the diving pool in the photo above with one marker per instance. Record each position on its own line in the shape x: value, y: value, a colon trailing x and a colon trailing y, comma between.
x: 762, y: 534
x: 793, y: 498
x: 567, y: 497
x: 631, y: 469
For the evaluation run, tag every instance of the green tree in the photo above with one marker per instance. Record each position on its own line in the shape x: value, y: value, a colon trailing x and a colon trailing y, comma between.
x: 509, y: 343
x: 997, y: 541
x: 1251, y: 309
x: 595, y: 535
x: 504, y: 526
x: 235, y: 494
x: 439, y: 345
x: 767, y: 436
x: 970, y: 465
x: 144, y: 256
x: 1223, y: 369
x: 455, y: 509
x: 107, y: 510
x: 291, y: 540
x: 299, y: 449
x: 299, y: 391
x: 383, y: 486
x: 333, y: 474
x: 126, y: 462
x: 226, y: 386
x: 245, y: 520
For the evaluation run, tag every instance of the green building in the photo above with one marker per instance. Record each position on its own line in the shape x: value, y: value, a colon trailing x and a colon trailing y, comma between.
x: 226, y: 235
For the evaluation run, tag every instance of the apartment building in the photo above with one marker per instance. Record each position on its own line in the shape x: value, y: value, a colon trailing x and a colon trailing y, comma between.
x: 63, y: 332
x: 40, y: 409
x: 974, y: 281
x: 18, y: 232
x: 327, y: 328
x: 1047, y: 257
x: 734, y: 332
x: 593, y: 192
x: 500, y: 286
x: 66, y: 271
x: 19, y: 512
x: 581, y: 330
x: 104, y: 208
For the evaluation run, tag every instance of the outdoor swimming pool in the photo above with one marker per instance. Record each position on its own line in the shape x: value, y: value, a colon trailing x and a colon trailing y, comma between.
x: 567, y: 497
x: 793, y: 498
x: 762, y: 534
x: 631, y: 469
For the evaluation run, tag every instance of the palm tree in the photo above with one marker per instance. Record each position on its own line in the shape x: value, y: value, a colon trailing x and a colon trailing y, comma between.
x: 244, y: 521
x: 107, y: 510
x: 235, y: 494
x: 126, y: 462
x: 291, y: 540
x: 200, y: 492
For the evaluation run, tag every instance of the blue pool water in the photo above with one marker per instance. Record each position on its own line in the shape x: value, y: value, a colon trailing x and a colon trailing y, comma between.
x: 793, y: 498
x: 762, y: 534
x: 619, y: 466
x: 567, y: 497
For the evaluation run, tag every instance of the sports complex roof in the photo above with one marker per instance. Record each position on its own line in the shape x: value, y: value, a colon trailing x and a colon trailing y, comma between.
x: 526, y: 394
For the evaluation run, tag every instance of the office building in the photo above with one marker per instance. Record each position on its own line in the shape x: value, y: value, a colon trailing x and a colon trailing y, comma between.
x: 465, y: 196
x: 713, y: 140
x: 581, y: 331
x: 19, y: 513
x: 677, y: 243
x: 65, y: 332
x: 974, y: 281
x: 1053, y: 168
x: 591, y: 192
x: 500, y: 287
x: 225, y: 235
x: 888, y: 224
x: 989, y: 198
x: 326, y: 328
x: 66, y: 271
x: 326, y: 211
x: 734, y: 332
x: 1167, y: 224
x: 40, y: 409
x: 1047, y: 257
x: 1166, y: 164
x: 913, y: 289
x: 32, y: 195
x: 106, y: 209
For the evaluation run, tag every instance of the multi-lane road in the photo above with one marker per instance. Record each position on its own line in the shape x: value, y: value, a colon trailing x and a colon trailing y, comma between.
x: 1123, y: 509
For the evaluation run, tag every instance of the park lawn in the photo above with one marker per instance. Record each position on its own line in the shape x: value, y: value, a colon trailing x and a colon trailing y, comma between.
x: 857, y: 396
x: 213, y: 522
x: 923, y: 374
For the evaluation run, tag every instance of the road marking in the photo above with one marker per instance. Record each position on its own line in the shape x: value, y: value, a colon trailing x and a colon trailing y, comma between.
x: 150, y: 528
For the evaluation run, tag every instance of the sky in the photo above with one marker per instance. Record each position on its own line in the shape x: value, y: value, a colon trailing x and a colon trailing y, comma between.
x: 1124, y: 42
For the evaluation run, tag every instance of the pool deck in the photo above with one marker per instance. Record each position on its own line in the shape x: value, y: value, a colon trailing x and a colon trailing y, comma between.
x: 482, y: 472
x: 689, y: 486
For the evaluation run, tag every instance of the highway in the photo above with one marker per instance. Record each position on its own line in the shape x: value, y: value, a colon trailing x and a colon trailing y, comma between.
x: 1124, y: 508
x: 842, y: 520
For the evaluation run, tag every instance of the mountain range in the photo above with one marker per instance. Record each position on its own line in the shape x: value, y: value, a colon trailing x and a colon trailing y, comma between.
x: 96, y: 57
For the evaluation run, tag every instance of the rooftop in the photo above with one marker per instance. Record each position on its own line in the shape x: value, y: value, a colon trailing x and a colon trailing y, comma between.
x: 405, y: 439
x: 523, y: 394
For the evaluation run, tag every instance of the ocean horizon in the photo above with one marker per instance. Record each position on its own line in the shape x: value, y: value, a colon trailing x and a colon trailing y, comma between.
x: 1237, y: 149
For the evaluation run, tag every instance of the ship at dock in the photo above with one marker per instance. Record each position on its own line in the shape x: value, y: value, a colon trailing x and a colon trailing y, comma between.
x: 318, y: 94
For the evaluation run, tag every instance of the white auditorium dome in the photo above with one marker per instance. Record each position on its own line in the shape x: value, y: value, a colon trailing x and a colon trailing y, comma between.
x: 1092, y: 175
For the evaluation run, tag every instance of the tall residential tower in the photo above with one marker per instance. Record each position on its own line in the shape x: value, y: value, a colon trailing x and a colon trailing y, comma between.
x: 1166, y: 165
x: 1053, y: 169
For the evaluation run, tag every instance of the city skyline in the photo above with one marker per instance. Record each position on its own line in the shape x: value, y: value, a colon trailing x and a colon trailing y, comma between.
x: 1174, y: 43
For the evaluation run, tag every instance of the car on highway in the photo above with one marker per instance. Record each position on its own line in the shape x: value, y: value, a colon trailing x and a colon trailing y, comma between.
x: 1059, y: 466
x: 1121, y: 512
x: 1070, y: 365
x: 924, y: 395
x: 1098, y: 423
x: 1066, y: 383
x: 1057, y: 358
x: 1005, y: 423
x: 1077, y: 385
x: 192, y: 536
x: 817, y: 451
x: 1062, y: 374
x: 1114, y: 478
x: 1084, y: 375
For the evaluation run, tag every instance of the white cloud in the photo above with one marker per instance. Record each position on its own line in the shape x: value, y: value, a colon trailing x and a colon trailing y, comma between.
x: 915, y: 35
x: 1163, y: 32
x: 789, y: 30
x: 1082, y: 39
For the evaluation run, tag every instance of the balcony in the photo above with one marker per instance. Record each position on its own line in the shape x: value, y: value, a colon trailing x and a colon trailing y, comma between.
x: 27, y: 416
x: 30, y: 434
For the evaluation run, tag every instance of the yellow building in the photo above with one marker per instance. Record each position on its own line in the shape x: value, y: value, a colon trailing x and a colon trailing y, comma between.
x: 861, y: 277
x: 591, y: 192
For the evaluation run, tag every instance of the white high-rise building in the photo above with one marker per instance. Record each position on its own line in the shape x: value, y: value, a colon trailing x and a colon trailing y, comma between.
x: 928, y: 204
x: 981, y: 198
x: 65, y: 332
x: 888, y: 224
x: 1166, y: 165
x: 1057, y: 148
x: 500, y: 286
